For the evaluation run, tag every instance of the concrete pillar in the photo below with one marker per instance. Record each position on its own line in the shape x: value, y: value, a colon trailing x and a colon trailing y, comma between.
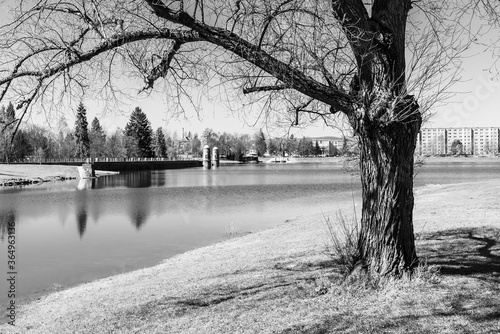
x: 86, y: 171
x: 215, y: 157
x: 206, y: 157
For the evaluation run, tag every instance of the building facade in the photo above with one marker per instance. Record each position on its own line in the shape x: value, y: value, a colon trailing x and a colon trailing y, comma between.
x: 464, y: 136
x: 486, y: 141
x: 333, y: 145
x: 325, y: 144
x: 432, y: 141
x: 448, y: 141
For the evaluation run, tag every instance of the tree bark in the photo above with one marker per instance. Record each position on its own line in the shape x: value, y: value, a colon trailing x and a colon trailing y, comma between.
x: 386, y: 244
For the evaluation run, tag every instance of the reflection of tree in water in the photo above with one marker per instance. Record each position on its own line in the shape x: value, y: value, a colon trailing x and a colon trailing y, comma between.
x: 81, y: 220
x: 157, y: 178
x: 130, y: 179
x: 139, y: 217
x: 138, y: 179
x: 81, y: 211
x: 139, y: 209
x: 6, y: 218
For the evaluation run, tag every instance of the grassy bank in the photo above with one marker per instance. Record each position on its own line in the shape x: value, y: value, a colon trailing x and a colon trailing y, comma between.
x: 281, y: 281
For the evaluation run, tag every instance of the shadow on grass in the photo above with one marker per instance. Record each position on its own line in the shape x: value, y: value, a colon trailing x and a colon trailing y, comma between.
x: 465, y: 252
x: 470, y: 306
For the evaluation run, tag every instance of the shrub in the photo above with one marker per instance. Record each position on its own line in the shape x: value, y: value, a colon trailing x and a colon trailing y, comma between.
x: 343, y: 242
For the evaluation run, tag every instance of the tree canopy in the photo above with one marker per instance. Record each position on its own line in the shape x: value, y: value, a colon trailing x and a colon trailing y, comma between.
x: 159, y: 144
x: 304, y: 53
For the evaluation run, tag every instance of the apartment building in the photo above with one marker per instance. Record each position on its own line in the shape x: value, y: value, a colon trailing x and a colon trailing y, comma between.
x: 331, y: 145
x: 464, y: 135
x: 326, y: 144
x: 432, y: 141
x: 486, y: 140
x: 475, y: 141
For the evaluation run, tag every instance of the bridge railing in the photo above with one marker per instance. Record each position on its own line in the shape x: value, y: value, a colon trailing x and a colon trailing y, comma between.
x: 35, y: 160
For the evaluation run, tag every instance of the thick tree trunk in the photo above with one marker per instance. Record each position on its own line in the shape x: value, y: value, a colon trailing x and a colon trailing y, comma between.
x: 386, y: 243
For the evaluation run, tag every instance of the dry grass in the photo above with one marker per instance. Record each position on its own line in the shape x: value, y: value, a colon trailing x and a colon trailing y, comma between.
x: 343, y: 235
x: 281, y: 281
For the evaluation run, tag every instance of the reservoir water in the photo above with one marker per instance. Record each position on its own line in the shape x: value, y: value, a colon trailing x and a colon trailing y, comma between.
x: 73, y: 232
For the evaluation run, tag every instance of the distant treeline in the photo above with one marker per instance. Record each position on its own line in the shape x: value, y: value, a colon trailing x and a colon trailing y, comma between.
x: 137, y: 140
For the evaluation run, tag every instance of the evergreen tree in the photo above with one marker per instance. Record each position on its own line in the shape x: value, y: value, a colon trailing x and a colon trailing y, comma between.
x: 160, y: 146
x: 131, y: 147
x: 20, y: 147
x: 81, y: 132
x: 317, y: 149
x: 260, y: 143
x: 139, y: 128
x: 97, y: 138
x: 305, y: 147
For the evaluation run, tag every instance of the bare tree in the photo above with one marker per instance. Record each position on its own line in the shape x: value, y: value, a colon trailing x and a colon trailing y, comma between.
x: 300, y: 59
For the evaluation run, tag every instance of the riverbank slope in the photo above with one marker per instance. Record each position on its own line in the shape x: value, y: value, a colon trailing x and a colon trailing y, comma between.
x: 281, y: 281
x: 18, y: 174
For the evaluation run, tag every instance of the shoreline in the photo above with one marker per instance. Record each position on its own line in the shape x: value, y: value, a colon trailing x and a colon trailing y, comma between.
x: 187, y: 286
x: 15, y: 174
x: 31, y: 175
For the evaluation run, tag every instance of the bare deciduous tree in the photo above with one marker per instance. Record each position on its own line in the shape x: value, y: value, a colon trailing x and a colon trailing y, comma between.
x: 304, y: 57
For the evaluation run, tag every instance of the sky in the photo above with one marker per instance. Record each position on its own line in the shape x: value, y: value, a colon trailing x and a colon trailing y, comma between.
x: 476, y: 105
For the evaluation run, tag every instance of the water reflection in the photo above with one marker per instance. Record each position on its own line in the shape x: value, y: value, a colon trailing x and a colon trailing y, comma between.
x: 86, y: 184
x: 139, y: 209
x: 139, y: 217
x: 139, y: 179
x: 157, y: 179
x: 81, y: 220
x: 81, y: 211
x: 143, y: 217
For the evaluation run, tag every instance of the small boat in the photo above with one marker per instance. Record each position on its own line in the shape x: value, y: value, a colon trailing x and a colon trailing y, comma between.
x: 251, y: 157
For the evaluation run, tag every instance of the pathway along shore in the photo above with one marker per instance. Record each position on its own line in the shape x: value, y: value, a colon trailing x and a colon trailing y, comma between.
x: 281, y: 281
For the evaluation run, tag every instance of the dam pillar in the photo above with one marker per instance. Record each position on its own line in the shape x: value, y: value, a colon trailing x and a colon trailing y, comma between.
x: 215, y: 157
x: 206, y: 157
x: 86, y: 171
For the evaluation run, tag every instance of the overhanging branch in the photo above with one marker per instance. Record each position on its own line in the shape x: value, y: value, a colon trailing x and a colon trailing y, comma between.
x: 160, y: 70
x: 249, y: 90
x: 285, y: 73
x: 178, y: 35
